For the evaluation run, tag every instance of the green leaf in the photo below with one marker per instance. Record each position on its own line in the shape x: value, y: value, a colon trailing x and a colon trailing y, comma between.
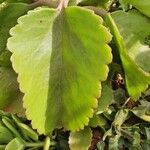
x: 101, y: 145
x: 28, y: 132
x: 16, y: 105
x: 134, y: 36
x: 8, y: 87
x: 120, y: 118
x: 9, y: 14
x: 68, y: 63
x: 142, y: 5
x: 119, y: 96
x: 106, y: 98
x: 97, y: 121
x: 5, y: 59
x: 114, y: 142
x: 125, y: 5
x: 136, y: 142
x: 108, y: 133
x: 137, y: 80
x: 5, y: 135
x: 80, y: 140
x: 147, y: 133
x: 2, y: 147
x: 15, y: 144
x: 142, y: 111
x: 11, y: 126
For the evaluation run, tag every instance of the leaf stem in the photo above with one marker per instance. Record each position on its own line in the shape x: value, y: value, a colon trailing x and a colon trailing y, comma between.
x: 126, y: 102
x: 99, y: 11
x: 50, y: 3
x: 63, y: 4
x: 38, y: 144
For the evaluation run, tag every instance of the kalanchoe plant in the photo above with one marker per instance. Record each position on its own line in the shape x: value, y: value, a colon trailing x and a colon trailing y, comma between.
x: 77, y: 72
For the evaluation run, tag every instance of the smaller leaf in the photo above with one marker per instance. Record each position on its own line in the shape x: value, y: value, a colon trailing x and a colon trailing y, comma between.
x: 120, y: 117
x: 136, y: 141
x: 16, y: 105
x: 11, y: 126
x: 142, y: 5
x: 125, y: 5
x: 108, y: 133
x: 5, y: 59
x: 147, y: 133
x: 145, y: 145
x: 114, y: 142
x: 101, y: 145
x: 15, y: 144
x: 142, y: 111
x: 2, y: 147
x: 5, y: 135
x: 9, y: 14
x: 8, y: 86
x: 135, y: 84
x: 97, y: 121
x: 106, y: 98
x: 80, y: 140
x: 110, y: 113
x: 119, y: 96
x: 28, y: 132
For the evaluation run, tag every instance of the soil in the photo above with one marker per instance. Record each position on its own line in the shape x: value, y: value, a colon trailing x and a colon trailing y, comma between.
x: 97, y: 136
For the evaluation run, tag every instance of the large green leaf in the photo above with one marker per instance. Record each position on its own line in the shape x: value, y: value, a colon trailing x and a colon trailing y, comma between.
x: 9, y: 14
x: 81, y: 139
x: 141, y: 5
x: 60, y: 65
x: 137, y: 80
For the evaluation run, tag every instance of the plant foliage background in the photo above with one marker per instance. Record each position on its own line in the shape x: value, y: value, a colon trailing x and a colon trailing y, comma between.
x: 74, y: 74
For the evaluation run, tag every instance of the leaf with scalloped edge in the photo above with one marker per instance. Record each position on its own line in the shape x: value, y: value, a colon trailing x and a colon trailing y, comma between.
x: 80, y: 140
x: 60, y: 65
x: 137, y: 80
x: 9, y: 14
x: 142, y: 5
